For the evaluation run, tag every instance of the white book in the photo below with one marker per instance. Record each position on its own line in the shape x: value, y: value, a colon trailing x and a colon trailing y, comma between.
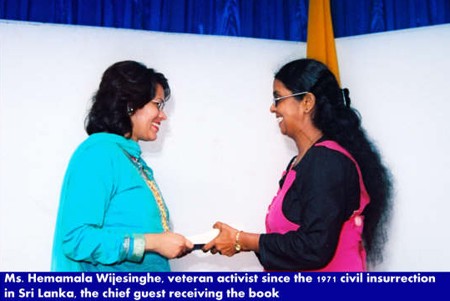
x: 199, y: 240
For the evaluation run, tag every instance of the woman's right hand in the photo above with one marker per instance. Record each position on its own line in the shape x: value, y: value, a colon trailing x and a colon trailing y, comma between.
x: 224, y: 243
x: 168, y: 244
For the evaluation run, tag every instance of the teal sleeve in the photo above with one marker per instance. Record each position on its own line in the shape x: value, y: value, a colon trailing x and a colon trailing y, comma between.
x: 88, y: 189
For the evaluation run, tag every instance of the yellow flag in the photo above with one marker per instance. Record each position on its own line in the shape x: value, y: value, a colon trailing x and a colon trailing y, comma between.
x: 320, y: 39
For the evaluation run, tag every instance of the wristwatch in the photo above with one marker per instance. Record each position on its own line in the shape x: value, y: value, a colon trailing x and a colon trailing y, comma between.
x: 237, y: 246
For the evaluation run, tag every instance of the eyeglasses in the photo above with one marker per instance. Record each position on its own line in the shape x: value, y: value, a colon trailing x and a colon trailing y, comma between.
x: 276, y: 100
x: 160, y: 103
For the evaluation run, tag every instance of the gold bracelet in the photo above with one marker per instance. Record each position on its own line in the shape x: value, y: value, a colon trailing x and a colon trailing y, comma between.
x: 237, y: 246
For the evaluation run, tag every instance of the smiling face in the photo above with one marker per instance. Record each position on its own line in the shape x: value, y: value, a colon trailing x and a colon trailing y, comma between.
x: 147, y: 120
x: 289, y: 111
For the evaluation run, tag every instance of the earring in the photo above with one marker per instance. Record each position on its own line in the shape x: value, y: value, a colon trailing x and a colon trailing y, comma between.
x: 130, y: 110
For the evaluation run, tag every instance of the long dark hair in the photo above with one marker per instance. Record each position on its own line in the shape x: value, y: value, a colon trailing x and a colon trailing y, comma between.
x: 338, y: 121
x: 125, y: 86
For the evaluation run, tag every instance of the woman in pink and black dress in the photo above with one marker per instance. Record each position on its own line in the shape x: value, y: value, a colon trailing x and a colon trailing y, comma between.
x: 333, y: 204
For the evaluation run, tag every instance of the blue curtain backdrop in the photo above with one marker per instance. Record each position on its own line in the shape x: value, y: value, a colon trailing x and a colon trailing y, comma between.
x: 268, y: 19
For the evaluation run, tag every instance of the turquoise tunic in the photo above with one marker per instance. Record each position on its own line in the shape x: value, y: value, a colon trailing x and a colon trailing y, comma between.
x: 105, y: 208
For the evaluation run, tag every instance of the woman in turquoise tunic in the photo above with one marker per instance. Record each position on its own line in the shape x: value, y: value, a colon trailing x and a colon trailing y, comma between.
x: 112, y: 216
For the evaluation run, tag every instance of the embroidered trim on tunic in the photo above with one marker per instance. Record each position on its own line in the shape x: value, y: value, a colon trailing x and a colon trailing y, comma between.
x: 153, y: 188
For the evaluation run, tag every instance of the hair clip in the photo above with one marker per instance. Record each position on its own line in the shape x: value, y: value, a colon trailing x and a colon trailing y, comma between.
x: 345, y: 97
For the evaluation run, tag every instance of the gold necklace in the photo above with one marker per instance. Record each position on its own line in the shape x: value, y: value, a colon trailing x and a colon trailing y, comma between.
x: 153, y: 188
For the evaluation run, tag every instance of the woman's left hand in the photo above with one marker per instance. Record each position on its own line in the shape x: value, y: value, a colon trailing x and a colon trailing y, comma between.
x: 224, y: 243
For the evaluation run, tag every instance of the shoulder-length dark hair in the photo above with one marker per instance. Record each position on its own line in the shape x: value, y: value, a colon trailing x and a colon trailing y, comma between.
x: 338, y: 121
x: 125, y: 86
